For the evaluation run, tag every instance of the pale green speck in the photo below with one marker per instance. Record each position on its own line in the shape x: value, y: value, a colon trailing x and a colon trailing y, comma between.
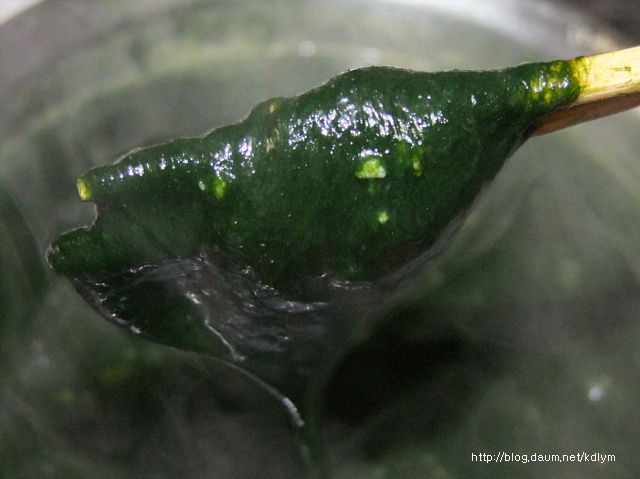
x: 371, y: 168
x: 383, y: 217
x: 219, y: 187
x: 83, y: 190
x: 417, y: 166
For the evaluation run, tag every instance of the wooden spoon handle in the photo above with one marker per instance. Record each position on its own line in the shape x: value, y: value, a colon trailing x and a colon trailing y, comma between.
x: 610, y: 84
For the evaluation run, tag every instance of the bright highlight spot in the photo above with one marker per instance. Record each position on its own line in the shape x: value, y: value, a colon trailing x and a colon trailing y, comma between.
x: 595, y: 393
x: 307, y: 48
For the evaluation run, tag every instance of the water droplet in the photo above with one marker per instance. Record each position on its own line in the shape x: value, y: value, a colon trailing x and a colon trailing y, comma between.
x: 595, y: 393
x: 307, y: 48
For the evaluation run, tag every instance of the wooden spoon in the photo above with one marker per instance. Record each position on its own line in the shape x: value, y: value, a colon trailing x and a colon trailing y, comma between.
x: 610, y: 83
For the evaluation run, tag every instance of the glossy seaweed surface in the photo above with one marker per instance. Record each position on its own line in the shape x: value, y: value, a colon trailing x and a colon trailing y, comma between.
x: 351, y: 179
x: 235, y: 244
